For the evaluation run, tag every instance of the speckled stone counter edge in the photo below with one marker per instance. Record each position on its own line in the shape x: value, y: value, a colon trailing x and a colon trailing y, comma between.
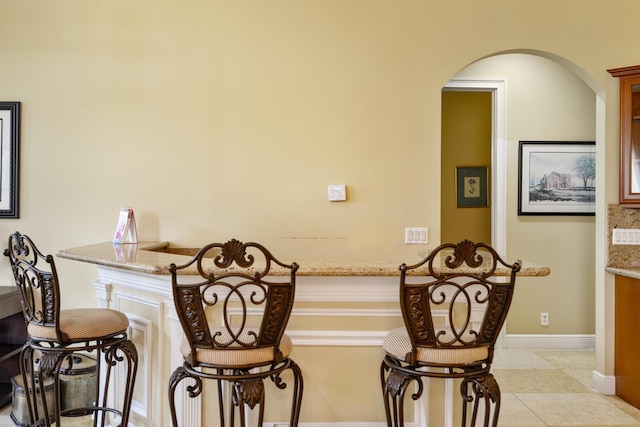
x: 153, y: 258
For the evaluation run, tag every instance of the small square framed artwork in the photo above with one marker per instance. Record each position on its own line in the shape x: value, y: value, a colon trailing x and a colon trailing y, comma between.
x: 472, y: 189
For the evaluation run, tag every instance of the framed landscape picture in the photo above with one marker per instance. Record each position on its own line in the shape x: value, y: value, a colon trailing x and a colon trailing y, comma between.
x: 472, y: 187
x: 556, y: 178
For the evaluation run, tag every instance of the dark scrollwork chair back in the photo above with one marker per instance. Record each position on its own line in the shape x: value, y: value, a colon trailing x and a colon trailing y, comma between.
x: 454, y: 303
x: 462, y: 291
x: 234, y: 272
x: 37, y: 281
x: 55, y: 334
x: 234, y: 304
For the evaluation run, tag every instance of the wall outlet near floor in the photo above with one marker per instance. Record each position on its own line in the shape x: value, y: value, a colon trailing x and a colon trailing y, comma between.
x: 544, y: 319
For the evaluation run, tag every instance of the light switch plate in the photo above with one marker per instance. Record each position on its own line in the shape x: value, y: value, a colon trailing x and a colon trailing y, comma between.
x: 337, y: 193
x: 625, y: 236
x: 416, y: 235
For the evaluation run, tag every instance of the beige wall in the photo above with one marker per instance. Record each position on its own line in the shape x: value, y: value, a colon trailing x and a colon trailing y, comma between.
x: 225, y: 119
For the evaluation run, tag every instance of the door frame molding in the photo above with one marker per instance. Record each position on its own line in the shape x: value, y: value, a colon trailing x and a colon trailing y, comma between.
x: 498, y: 153
x: 498, y: 162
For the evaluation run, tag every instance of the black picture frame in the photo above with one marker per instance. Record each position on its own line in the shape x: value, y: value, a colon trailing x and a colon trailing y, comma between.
x: 9, y: 158
x: 472, y: 189
x: 556, y: 178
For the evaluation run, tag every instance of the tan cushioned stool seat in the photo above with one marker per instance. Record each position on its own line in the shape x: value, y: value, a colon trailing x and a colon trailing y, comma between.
x: 81, y: 324
x: 235, y: 355
x: 398, y: 344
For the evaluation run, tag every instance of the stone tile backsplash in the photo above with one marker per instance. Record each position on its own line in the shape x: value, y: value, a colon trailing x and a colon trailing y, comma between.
x: 623, y: 256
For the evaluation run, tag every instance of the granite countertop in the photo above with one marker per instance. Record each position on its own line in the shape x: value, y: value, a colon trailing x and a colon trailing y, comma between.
x: 155, y: 257
x: 633, y: 272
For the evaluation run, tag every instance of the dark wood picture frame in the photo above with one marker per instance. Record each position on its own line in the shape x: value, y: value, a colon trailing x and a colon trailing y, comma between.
x: 472, y: 186
x: 9, y: 159
x: 556, y: 178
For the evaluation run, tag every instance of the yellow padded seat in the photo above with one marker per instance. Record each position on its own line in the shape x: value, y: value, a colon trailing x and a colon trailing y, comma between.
x: 235, y: 355
x: 82, y: 324
x: 397, y: 344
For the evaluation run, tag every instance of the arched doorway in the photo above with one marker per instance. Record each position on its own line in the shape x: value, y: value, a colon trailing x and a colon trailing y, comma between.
x: 569, y: 107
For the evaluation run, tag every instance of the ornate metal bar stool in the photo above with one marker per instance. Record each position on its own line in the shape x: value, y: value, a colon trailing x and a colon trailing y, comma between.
x: 57, y: 334
x: 453, y: 308
x: 253, y: 303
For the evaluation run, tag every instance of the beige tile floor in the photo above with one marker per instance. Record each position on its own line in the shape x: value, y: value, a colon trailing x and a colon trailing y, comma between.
x: 540, y: 388
x: 553, y: 388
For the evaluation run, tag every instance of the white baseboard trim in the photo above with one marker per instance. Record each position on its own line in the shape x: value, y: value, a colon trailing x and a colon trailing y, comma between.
x: 539, y: 341
x: 603, y: 384
x: 336, y: 424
